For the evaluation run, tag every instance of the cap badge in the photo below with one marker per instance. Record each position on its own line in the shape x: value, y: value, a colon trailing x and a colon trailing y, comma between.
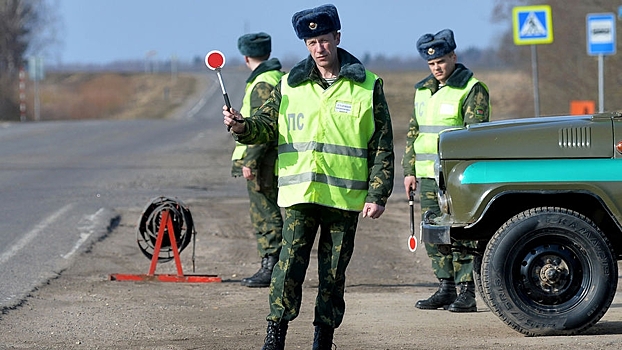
x: 431, y: 51
x: 313, y: 26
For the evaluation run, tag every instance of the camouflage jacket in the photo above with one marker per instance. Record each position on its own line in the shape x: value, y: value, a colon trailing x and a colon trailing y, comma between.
x: 259, y: 155
x: 262, y: 126
x: 475, y: 109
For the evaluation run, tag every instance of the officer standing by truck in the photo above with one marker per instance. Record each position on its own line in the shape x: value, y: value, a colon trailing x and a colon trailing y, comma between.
x: 449, y: 97
x: 257, y: 162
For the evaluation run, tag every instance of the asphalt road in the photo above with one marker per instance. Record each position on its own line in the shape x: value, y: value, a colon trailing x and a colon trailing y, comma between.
x: 63, y: 183
x: 54, y: 204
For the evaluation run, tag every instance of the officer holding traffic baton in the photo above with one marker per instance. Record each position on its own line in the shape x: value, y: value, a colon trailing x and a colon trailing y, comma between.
x: 449, y: 97
x: 256, y: 163
x: 335, y: 160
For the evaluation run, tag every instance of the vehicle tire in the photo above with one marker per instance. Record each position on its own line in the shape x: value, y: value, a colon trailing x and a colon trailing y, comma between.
x: 477, y: 278
x: 549, y: 271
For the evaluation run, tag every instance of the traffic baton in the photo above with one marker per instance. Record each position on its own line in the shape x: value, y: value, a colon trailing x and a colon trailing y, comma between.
x: 215, y: 60
x: 412, y: 239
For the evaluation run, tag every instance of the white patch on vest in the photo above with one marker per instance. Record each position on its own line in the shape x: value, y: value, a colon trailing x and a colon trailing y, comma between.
x: 447, y: 108
x: 343, y: 107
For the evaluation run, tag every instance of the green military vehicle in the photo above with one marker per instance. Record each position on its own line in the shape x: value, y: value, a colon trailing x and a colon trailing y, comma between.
x: 543, y: 198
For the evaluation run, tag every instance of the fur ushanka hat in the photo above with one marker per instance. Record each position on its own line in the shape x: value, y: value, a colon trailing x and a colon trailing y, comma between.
x: 255, y: 44
x: 438, y: 45
x: 316, y: 21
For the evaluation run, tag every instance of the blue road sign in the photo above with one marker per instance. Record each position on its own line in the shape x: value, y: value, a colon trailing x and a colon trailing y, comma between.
x: 601, y: 34
x: 532, y: 25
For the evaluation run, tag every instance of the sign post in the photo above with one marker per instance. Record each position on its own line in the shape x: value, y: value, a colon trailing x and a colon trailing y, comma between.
x: 22, y: 94
x: 601, y: 40
x: 533, y: 25
x: 36, y: 74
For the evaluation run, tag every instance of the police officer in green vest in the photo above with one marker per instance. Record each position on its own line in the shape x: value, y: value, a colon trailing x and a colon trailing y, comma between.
x: 332, y: 123
x: 256, y: 163
x: 449, y: 97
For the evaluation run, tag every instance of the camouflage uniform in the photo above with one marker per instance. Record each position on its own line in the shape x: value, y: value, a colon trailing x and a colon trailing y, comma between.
x: 475, y: 109
x: 265, y: 214
x: 337, y: 227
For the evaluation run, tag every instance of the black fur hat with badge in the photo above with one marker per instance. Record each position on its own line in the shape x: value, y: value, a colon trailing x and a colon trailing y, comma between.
x: 438, y: 45
x: 255, y: 44
x: 316, y: 21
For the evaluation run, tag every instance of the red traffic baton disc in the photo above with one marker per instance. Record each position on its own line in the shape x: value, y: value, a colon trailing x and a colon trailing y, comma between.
x: 412, y: 243
x: 214, y: 60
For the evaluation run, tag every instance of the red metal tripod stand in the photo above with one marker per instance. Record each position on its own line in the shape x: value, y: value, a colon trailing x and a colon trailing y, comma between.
x: 166, y: 226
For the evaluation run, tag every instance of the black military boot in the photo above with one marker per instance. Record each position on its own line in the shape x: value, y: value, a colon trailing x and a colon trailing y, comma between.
x: 465, y: 302
x: 443, y: 297
x: 323, y: 338
x: 275, y: 336
x: 262, y: 277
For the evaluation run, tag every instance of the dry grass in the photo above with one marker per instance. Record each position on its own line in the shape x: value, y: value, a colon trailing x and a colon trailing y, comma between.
x: 511, y: 94
x: 132, y: 96
x: 111, y: 95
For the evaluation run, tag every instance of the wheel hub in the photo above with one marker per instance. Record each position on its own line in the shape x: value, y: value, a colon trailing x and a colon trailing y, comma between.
x: 553, y: 274
x: 547, y: 273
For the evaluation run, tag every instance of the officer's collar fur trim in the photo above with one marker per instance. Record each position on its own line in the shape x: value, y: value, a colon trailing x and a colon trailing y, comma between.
x: 351, y: 68
x: 458, y: 79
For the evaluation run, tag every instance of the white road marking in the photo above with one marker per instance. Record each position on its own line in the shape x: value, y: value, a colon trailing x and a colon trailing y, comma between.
x: 210, y: 90
x: 86, y: 227
x: 32, y: 234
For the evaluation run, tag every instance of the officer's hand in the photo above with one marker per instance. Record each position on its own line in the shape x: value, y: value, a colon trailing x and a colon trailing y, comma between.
x: 410, y: 184
x: 247, y: 173
x: 372, y: 210
x: 233, y: 120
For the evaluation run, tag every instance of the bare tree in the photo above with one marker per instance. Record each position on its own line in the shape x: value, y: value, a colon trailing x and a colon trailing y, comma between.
x: 25, y: 26
x: 16, y: 21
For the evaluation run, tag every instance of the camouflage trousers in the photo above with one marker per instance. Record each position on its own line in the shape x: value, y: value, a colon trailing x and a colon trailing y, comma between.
x: 449, y: 262
x: 337, y: 229
x: 266, y: 219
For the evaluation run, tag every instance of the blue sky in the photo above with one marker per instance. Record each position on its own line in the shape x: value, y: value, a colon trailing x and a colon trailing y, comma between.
x: 104, y: 31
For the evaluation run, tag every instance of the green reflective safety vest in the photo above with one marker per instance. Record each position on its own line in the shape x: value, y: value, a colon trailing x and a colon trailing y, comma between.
x: 323, y: 140
x: 271, y: 77
x: 436, y: 113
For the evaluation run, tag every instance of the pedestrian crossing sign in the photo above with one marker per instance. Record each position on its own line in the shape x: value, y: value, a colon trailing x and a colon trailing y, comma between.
x: 532, y: 25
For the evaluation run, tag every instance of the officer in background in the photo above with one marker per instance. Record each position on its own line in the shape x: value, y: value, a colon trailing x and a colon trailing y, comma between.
x: 447, y: 98
x: 257, y: 162
x: 332, y: 122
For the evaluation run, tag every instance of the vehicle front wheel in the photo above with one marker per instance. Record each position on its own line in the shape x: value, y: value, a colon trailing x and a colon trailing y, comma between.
x: 549, y: 271
x: 477, y: 278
